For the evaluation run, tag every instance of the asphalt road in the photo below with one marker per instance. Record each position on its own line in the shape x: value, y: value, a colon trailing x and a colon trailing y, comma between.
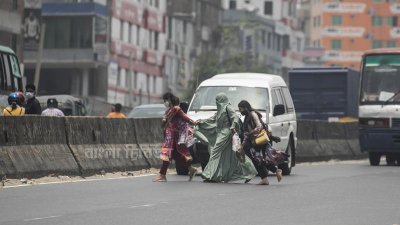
x: 341, y: 193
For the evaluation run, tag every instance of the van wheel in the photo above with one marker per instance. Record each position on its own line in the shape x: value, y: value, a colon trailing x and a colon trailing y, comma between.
x: 374, y: 158
x: 287, y: 167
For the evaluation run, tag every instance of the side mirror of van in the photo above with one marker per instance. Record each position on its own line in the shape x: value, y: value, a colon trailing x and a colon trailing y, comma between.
x: 279, y: 110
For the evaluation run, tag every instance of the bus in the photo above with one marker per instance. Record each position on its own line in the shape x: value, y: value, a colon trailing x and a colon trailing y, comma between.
x: 379, y: 105
x: 10, y: 75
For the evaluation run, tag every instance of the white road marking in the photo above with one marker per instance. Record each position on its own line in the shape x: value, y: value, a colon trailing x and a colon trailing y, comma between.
x: 42, y: 218
x: 138, y: 206
x: 76, y: 181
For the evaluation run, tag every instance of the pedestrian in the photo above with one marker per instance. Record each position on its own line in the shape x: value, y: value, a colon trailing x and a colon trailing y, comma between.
x: 252, y: 126
x: 116, y: 112
x: 176, y: 136
x: 217, y: 131
x: 32, y: 104
x: 15, y: 101
x: 52, y: 108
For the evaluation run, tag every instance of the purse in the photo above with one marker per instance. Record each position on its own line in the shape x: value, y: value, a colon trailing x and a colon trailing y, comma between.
x: 262, y: 138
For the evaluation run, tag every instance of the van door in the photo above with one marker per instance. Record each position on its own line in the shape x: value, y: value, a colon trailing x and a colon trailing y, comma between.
x: 279, y: 123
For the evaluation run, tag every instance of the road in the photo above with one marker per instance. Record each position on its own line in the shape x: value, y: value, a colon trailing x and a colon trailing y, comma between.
x: 327, y: 193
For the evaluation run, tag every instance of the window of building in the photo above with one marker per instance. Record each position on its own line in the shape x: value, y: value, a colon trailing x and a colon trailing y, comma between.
x: 156, y: 3
x: 138, y: 35
x: 378, y: 1
x: 392, y: 1
x: 392, y: 21
x: 130, y: 33
x: 69, y: 32
x: 268, y: 8
x: 336, y: 44
x: 391, y: 44
x: 156, y: 36
x: 377, y: 21
x: 232, y: 4
x: 376, y: 44
x: 269, y: 40
x: 336, y: 20
x: 248, y: 43
x: 14, y: 4
x: 278, y: 43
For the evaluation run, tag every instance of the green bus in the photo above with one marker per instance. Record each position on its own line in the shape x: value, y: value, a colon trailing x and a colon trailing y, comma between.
x: 10, y: 74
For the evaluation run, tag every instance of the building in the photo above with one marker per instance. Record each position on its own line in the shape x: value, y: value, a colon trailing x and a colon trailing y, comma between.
x: 11, y: 35
x: 345, y: 29
x: 254, y: 35
x: 287, y: 26
x: 138, y: 44
x: 75, y: 51
x: 193, y: 29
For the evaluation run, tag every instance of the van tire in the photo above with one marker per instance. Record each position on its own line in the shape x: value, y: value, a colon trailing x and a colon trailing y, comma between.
x: 287, y: 167
x: 374, y: 158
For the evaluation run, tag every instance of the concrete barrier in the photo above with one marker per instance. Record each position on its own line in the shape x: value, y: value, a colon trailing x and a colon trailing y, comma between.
x: 321, y: 140
x: 307, y: 146
x: 150, y: 136
x: 104, y: 144
x: 32, y: 146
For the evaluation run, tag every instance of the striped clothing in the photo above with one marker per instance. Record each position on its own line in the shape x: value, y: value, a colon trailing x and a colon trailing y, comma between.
x: 52, y: 112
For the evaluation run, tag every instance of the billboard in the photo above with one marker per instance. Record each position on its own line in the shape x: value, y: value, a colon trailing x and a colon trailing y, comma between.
x: 32, y: 24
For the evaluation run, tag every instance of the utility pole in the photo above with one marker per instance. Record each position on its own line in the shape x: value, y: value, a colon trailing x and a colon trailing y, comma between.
x: 39, y: 57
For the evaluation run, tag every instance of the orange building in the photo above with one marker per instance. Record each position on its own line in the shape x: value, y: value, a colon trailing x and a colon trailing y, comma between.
x: 346, y: 28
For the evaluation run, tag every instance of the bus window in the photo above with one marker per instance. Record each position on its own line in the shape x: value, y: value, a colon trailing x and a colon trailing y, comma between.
x: 7, y: 72
x: 15, y: 67
x: 2, y: 74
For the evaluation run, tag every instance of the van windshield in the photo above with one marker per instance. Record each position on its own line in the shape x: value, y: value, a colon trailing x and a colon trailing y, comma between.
x: 204, y: 98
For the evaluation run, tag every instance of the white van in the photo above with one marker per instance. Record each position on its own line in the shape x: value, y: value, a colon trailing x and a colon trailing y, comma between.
x: 266, y: 93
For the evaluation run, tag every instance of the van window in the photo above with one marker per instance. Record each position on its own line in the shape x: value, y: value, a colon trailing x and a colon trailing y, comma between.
x: 204, y: 98
x: 277, y: 98
x: 288, y: 99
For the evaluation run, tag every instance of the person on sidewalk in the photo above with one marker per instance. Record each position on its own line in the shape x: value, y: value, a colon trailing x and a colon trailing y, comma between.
x: 32, y: 104
x: 252, y: 126
x: 52, y: 108
x: 116, y: 112
x: 176, y: 136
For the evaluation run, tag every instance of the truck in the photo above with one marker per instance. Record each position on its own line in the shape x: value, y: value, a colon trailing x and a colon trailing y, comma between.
x: 321, y: 93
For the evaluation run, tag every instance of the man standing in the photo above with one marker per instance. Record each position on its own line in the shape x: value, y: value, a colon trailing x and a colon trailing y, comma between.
x: 32, y: 106
x: 52, y: 108
x: 116, y: 112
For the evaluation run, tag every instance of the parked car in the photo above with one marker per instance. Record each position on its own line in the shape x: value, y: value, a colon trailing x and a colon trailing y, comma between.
x: 267, y: 93
x: 148, y: 111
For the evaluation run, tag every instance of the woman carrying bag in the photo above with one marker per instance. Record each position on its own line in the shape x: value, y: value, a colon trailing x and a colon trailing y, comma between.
x: 255, y: 142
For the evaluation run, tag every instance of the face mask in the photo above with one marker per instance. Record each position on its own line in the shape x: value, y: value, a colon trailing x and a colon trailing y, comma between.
x: 166, y: 103
x: 244, y: 113
x: 29, y: 95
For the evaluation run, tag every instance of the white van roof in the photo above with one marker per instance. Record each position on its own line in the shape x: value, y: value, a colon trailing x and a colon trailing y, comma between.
x: 245, y: 79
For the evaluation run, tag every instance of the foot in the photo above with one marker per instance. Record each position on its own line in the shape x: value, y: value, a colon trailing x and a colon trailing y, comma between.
x: 160, y: 178
x: 279, y: 175
x: 263, y: 182
x: 192, y: 172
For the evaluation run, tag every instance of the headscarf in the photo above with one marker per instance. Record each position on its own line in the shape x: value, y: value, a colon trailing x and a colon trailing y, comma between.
x: 222, y: 102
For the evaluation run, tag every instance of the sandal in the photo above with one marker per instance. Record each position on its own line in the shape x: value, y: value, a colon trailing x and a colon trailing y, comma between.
x: 192, y: 172
x: 160, y: 178
x: 279, y: 175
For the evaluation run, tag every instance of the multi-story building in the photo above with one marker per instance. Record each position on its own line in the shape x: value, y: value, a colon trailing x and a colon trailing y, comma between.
x: 11, y: 13
x: 345, y: 29
x: 287, y: 26
x: 138, y: 44
x: 75, y: 51
x: 254, y: 35
x: 193, y: 28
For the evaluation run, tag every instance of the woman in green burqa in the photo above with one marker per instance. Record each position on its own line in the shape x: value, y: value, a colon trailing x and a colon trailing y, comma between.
x: 217, y: 131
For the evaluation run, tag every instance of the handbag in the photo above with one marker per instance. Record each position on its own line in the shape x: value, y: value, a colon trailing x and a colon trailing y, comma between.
x: 262, y: 138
